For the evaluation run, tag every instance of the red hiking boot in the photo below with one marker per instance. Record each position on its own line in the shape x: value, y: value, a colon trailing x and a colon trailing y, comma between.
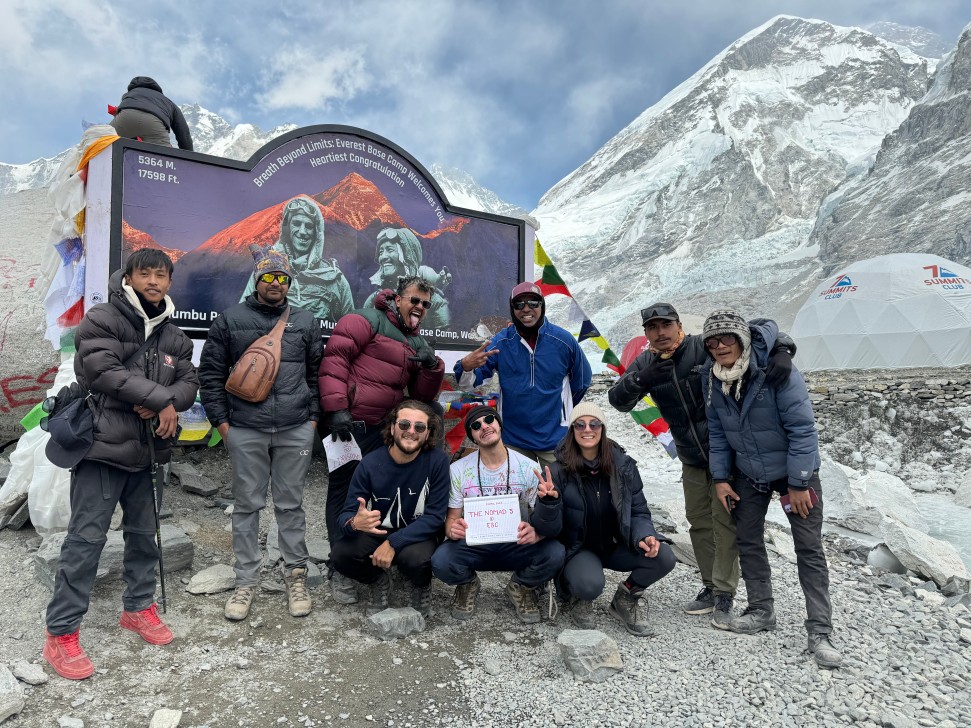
x: 65, y: 655
x: 147, y: 625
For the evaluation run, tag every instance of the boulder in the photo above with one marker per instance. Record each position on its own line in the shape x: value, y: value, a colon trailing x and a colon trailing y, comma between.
x: 882, y: 558
x: 390, y: 624
x: 923, y: 554
x: 19, y: 518
x: 11, y: 505
x: 955, y: 586
x: 865, y: 503
x: 177, y: 553
x: 782, y: 543
x: 843, y: 504
x: 217, y: 578
x: 318, y: 549
x: 11, y: 694
x: 590, y: 654
x: 962, y: 496
x: 683, y: 550
x: 166, y: 718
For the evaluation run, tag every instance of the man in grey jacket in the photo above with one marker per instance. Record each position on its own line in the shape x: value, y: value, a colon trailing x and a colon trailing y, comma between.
x: 130, y: 399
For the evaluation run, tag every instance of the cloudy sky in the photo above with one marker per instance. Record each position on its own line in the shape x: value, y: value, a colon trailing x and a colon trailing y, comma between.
x: 517, y: 93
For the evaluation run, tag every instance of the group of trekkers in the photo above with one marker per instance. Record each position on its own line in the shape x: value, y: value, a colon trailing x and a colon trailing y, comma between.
x: 738, y: 410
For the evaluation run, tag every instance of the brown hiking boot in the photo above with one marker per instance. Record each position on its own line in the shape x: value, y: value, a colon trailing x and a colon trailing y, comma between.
x: 65, y: 655
x: 463, y: 601
x: 298, y: 597
x: 237, y: 607
x: 630, y: 609
x: 523, y: 600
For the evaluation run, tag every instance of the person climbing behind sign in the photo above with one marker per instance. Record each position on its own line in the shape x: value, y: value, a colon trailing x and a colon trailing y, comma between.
x: 146, y: 113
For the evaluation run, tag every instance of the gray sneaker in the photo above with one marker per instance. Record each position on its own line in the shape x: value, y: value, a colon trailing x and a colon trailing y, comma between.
x: 753, y: 620
x: 523, y: 600
x: 298, y: 597
x: 823, y: 651
x: 581, y: 612
x: 463, y: 600
x: 704, y: 603
x: 381, y: 591
x: 721, y: 617
x: 630, y: 609
x: 421, y: 600
x: 237, y: 608
x: 343, y: 589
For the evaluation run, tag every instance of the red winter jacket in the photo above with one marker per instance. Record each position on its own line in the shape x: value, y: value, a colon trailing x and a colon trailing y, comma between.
x: 366, y: 364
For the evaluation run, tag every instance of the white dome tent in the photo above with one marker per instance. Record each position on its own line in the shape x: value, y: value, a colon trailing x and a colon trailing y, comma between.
x: 890, y: 312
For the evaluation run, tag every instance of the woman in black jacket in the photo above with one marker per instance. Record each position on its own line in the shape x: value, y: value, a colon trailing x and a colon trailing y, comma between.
x: 592, y: 499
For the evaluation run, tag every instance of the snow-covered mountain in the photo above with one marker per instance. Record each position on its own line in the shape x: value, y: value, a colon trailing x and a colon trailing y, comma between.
x: 710, y: 196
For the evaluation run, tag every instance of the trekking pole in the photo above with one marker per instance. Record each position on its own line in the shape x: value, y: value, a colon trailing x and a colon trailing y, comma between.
x: 156, y: 507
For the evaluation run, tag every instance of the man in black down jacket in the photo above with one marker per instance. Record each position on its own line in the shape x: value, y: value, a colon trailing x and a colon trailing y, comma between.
x: 270, y: 442
x: 670, y: 372
x: 146, y: 113
x: 158, y: 384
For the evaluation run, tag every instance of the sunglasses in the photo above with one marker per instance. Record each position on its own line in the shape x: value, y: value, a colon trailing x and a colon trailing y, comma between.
x: 405, y: 425
x: 477, y: 425
x: 713, y: 342
x: 520, y: 305
x: 592, y: 424
x: 423, y: 302
x: 282, y: 278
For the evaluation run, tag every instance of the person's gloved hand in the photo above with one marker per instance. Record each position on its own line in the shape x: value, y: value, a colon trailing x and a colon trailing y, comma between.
x: 340, y: 424
x: 426, y: 356
x: 779, y: 368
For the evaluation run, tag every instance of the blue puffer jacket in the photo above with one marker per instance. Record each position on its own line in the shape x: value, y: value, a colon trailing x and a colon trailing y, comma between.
x: 538, y: 387
x: 771, y: 433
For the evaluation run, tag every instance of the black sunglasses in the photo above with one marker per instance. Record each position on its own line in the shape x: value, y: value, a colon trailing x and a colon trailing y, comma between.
x: 593, y: 425
x: 520, y: 305
x: 282, y: 278
x: 713, y: 342
x: 477, y: 425
x: 423, y: 302
x: 405, y: 425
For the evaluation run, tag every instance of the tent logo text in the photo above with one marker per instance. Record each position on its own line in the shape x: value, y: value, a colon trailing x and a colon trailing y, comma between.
x: 841, y: 285
x: 941, y: 276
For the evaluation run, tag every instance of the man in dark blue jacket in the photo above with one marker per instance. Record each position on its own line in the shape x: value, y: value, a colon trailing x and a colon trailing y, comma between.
x: 395, y: 507
x: 146, y: 113
x: 543, y: 373
x: 269, y: 442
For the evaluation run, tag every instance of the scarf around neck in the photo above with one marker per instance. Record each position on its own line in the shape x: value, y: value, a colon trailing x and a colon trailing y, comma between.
x: 730, y: 375
x: 670, y: 352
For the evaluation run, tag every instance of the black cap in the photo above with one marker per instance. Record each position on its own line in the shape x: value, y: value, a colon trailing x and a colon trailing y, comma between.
x: 659, y: 311
x: 72, y: 434
x: 478, y: 412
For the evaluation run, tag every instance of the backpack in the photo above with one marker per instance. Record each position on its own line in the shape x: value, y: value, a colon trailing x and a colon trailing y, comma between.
x: 252, y: 377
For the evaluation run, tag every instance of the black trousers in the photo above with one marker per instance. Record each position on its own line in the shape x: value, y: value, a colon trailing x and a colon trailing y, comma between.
x: 583, y: 576
x: 370, y: 439
x: 351, y: 556
x: 95, y: 490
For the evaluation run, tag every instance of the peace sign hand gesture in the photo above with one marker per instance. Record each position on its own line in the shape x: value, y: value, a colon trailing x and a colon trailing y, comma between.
x: 546, y: 486
x: 478, y: 357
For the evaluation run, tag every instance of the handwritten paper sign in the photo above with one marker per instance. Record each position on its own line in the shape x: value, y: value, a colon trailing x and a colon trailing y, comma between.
x: 493, y: 519
x: 340, y: 452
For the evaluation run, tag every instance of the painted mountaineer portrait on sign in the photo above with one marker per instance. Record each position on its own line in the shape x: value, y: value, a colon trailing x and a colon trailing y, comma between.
x: 318, y: 284
x: 399, y: 255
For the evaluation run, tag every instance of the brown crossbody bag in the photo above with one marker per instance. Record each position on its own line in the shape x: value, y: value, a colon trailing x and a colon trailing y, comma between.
x: 252, y: 377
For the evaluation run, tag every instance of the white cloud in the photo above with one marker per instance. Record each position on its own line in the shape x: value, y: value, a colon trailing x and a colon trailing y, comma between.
x: 302, y: 78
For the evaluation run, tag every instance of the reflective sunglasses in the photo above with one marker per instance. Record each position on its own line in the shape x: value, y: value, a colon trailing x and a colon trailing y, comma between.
x: 713, y: 342
x: 405, y: 425
x: 282, y: 278
x: 520, y: 305
x: 423, y: 302
x: 477, y: 425
x: 593, y: 425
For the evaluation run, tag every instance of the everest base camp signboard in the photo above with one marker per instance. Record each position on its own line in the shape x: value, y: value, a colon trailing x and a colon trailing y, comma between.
x: 352, y: 211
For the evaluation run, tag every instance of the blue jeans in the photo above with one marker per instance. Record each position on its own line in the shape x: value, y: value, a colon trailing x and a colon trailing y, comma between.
x: 808, y: 539
x: 455, y: 562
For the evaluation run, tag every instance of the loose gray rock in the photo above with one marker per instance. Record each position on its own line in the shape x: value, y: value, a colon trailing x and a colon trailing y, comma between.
x: 955, y: 586
x: 590, y: 654
x: 217, y: 578
x: 683, y: 550
x: 314, y: 577
x: 962, y: 496
x: 273, y: 555
x: 198, y: 484
x: 928, y: 556
x: 29, y: 673
x: 952, y: 602
x: 389, y: 624
x: 319, y: 549
x: 166, y: 718
x: 177, y: 470
x: 882, y: 558
x: 492, y: 667
x: 11, y: 506
x: 66, y: 721
x: 177, y: 552
x: 11, y: 694
x: 19, y: 518
x: 896, y: 582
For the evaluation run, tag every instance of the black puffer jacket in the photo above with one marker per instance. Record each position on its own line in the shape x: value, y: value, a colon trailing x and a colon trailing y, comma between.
x: 144, y: 94
x: 564, y: 517
x: 108, y: 335
x: 293, y: 399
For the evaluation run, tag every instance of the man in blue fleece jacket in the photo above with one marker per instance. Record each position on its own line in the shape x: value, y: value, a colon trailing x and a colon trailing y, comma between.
x: 395, y: 508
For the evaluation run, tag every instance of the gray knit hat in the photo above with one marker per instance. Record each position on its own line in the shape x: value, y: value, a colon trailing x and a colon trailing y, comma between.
x: 727, y: 321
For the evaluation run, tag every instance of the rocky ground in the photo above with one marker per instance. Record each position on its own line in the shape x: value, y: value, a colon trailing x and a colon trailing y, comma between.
x: 907, y: 655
